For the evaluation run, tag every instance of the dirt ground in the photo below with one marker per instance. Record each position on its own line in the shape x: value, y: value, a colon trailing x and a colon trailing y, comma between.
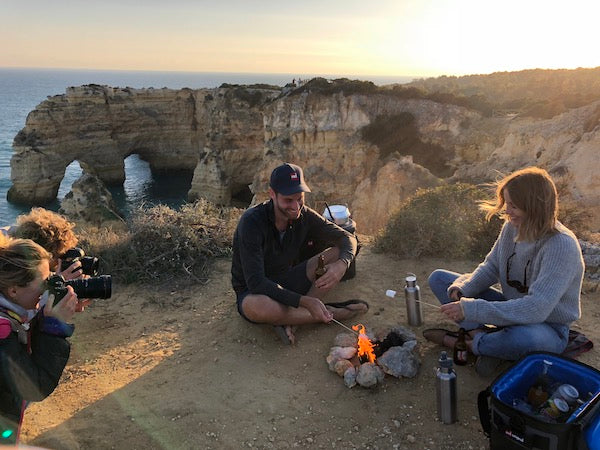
x: 179, y: 369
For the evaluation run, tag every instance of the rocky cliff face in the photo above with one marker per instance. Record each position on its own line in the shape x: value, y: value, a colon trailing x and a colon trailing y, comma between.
x: 100, y: 126
x: 233, y: 137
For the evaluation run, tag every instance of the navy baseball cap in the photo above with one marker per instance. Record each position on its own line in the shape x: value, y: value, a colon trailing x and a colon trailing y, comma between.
x: 288, y: 179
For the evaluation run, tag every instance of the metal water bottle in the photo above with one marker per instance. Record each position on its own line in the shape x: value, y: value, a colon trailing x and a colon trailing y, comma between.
x: 445, y: 390
x: 412, y: 292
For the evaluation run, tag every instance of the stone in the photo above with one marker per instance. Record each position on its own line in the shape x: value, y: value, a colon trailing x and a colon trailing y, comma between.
x: 89, y: 201
x: 342, y: 366
x: 400, y: 361
x: 350, y: 377
x: 339, y: 353
x: 369, y: 375
x: 405, y: 333
x: 345, y: 340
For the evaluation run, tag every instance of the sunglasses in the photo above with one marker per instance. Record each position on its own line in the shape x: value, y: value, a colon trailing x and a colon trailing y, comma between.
x: 521, y: 287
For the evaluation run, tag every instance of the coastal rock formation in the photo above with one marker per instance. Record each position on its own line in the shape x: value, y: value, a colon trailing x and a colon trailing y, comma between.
x: 232, y: 137
x: 99, y: 126
x: 89, y: 201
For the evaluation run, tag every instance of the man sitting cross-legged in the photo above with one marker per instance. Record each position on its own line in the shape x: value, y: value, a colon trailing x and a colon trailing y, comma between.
x: 271, y: 284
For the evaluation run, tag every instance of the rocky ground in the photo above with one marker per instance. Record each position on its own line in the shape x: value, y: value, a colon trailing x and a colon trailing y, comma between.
x: 177, y: 368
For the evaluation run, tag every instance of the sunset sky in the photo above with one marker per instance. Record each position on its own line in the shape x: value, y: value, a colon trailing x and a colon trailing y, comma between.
x: 349, y: 37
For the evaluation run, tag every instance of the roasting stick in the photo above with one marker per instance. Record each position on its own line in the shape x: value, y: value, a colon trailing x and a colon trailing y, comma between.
x: 347, y: 328
x: 429, y: 304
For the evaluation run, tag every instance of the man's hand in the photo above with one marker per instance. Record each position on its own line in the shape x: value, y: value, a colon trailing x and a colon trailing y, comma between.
x: 316, y: 308
x: 333, y: 275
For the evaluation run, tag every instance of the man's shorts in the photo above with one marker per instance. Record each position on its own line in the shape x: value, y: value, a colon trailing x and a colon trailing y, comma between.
x: 294, y: 279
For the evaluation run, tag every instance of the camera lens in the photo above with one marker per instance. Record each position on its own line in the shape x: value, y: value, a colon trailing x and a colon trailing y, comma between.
x: 93, y: 287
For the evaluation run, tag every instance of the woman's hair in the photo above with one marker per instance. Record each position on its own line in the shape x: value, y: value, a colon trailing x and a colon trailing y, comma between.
x: 532, y: 191
x: 19, y: 261
x: 52, y: 231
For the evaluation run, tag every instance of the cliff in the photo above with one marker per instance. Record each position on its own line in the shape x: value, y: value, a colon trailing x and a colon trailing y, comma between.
x: 369, y: 150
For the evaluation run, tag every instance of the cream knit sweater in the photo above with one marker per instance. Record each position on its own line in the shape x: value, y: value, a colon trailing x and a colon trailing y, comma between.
x: 554, y: 277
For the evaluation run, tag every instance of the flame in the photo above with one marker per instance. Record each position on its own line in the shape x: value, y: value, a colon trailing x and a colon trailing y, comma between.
x: 365, y: 346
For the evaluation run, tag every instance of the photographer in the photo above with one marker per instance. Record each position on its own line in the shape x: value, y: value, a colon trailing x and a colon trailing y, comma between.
x: 33, y: 345
x: 54, y: 233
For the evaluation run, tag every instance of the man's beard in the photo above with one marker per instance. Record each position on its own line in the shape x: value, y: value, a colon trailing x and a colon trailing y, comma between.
x: 288, y: 214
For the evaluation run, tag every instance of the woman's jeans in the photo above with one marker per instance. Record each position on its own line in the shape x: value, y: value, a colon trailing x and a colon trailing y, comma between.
x: 508, y: 342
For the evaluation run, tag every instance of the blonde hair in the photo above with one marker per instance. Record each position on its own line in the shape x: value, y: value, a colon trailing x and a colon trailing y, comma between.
x: 20, y: 260
x: 531, y: 190
x: 50, y: 230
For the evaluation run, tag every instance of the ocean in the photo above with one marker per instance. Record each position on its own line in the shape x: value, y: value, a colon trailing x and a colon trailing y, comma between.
x: 21, y: 90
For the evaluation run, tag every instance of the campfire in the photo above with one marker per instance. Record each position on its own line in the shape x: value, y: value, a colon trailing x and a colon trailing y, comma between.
x: 364, y: 359
x: 365, y: 346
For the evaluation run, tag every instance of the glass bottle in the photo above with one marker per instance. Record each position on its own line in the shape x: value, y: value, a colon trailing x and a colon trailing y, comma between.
x: 461, y: 353
x: 320, y: 270
x: 540, y: 389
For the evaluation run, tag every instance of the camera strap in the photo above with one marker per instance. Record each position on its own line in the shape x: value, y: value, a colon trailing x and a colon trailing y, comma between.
x: 21, y: 329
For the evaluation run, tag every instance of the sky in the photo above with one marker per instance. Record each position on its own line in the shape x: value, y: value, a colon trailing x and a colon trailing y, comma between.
x: 417, y: 38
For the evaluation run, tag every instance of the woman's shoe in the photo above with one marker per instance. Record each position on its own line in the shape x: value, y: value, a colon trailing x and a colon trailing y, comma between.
x: 437, y: 335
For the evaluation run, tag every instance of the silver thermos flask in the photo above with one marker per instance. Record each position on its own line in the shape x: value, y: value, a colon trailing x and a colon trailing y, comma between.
x: 445, y: 390
x: 412, y: 292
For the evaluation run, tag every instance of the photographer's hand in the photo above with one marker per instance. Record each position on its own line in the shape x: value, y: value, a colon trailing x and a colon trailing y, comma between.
x: 73, y: 272
x: 82, y: 303
x: 65, y: 309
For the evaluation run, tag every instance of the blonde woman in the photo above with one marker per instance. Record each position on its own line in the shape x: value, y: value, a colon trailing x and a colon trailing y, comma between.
x: 538, y: 263
x: 33, y: 345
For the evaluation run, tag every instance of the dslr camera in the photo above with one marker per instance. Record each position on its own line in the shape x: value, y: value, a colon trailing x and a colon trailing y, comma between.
x: 93, y: 287
x: 89, y: 264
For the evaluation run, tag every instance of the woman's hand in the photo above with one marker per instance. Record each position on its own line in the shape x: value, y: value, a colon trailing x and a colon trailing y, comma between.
x: 73, y: 272
x: 453, y: 311
x: 454, y: 294
x: 65, y: 308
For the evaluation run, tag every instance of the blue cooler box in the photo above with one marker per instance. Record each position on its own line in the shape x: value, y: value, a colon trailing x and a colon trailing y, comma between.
x: 511, y: 428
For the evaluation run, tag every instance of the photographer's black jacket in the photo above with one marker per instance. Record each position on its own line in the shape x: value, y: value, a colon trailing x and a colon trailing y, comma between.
x: 259, y: 257
x: 29, y: 371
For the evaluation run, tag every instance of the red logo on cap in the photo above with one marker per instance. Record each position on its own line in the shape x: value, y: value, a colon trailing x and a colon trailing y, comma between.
x: 293, y: 176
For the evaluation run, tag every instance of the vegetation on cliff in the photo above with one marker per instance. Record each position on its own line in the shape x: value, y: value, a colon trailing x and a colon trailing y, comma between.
x: 399, y: 133
x: 162, y: 244
x: 446, y: 221
x: 536, y: 93
x: 439, y: 222
x: 346, y: 86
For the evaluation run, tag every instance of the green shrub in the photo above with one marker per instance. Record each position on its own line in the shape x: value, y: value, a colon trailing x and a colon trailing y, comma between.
x: 329, y: 87
x: 162, y: 244
x: 438, y: 222
x: 252, y: 97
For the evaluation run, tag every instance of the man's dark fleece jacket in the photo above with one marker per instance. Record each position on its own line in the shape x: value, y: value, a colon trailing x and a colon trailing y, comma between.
x: 260, y: 258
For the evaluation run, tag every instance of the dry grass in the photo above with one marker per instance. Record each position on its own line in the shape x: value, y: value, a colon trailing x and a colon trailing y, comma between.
x: 162, y: 244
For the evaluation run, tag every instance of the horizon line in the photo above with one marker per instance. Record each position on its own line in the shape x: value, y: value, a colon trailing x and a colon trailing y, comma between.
x: 291, y: 74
